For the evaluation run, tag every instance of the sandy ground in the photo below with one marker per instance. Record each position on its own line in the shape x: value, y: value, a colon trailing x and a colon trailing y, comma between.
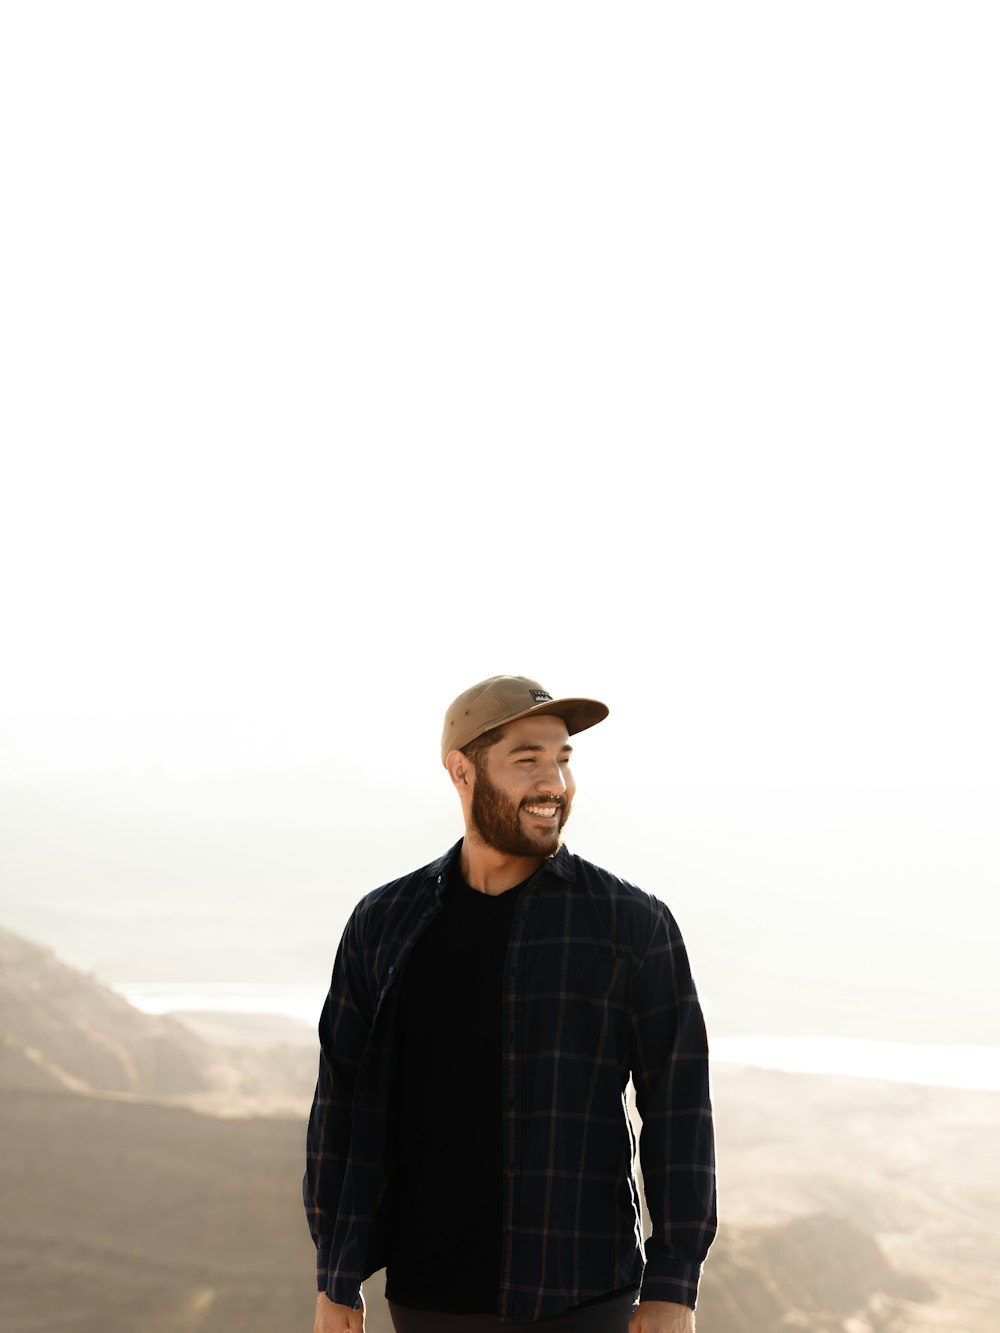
x: 169, y: 1202
x: 916, y: 1168
x: 847, y: 1205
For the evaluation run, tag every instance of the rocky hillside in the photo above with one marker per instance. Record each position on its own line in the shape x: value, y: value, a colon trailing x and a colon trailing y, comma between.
x: 911, y: 1172
x: 821, y: 1273
x: 848, y: 1206
x: 59, y: 1027
x: 115, y: 1207
x: 120, y: 1215
x: 123, y: 1215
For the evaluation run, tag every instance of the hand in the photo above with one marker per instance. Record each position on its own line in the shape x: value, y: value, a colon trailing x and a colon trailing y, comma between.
x: 661, y: 1317
x: 333, y: 1318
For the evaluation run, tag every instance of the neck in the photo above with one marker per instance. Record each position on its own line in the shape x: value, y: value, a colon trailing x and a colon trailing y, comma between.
x: 491, y: 872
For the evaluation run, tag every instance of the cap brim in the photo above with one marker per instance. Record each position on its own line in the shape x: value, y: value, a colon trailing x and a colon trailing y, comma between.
x: 578, y: 714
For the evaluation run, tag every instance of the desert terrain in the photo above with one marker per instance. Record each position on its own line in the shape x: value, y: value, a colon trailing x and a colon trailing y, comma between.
x: 150, y: 1174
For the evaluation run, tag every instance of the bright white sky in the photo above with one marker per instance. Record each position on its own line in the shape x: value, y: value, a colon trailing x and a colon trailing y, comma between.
x: 353, y: 354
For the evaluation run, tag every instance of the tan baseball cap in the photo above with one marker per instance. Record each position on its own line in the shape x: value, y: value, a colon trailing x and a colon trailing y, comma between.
x: 506, y: 698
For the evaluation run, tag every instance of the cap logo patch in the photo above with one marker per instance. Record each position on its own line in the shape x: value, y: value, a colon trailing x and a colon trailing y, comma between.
x: 541, y: 696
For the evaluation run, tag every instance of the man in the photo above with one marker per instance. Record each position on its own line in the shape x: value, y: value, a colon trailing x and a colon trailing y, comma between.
x: 485, y: 1014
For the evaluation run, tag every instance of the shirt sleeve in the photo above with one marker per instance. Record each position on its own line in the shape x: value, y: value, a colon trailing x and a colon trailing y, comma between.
x: 343, y: 1031
x: 676, y: 1146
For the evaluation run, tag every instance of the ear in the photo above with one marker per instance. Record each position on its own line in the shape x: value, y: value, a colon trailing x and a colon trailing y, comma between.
x: 461, y: 770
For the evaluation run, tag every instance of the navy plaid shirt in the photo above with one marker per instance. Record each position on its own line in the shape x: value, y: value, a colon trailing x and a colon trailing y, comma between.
x: 596, y: 988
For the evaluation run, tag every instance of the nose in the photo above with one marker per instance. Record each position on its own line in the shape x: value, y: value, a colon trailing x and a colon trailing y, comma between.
x: 551, y: 779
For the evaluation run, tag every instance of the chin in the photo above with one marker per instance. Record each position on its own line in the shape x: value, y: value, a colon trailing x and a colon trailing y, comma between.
x: 549, y: 845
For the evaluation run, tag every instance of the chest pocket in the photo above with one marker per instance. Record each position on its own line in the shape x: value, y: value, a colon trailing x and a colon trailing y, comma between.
x: 595, y: 970
x: 591, y: 1000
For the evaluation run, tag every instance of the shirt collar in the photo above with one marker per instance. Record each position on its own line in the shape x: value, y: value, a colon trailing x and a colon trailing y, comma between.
x: 562, y: 864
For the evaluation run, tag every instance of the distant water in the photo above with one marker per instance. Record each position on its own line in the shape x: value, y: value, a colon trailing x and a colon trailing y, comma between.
x: 895, y: 1062
x: 892, y: 1061
x: 225, y: 997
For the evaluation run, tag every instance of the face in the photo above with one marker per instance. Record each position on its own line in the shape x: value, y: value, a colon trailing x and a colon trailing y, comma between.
x: 522, y: 795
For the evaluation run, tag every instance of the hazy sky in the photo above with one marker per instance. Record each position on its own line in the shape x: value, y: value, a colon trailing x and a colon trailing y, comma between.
x: 354, y: 355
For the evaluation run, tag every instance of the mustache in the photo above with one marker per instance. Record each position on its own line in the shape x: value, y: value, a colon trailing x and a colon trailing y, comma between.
x: 559, y: 801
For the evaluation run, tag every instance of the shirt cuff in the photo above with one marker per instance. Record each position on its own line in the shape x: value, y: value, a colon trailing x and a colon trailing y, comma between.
x: 671, y: 1280
x: 340, y: 1290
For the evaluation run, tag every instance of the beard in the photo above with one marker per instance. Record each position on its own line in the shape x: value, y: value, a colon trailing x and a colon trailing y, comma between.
x: 495, y: 818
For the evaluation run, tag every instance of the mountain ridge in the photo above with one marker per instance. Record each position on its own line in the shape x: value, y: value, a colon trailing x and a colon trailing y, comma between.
x: 84, y: 1036
x: 834, y: 1191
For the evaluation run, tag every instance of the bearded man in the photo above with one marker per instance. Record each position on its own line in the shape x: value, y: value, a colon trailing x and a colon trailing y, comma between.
x: 469, y: 1130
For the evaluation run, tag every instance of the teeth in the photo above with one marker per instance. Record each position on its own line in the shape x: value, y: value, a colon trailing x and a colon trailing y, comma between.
x: 547, y: 811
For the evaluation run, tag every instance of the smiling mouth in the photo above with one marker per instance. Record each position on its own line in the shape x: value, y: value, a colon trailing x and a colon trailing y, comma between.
x: 546, y: 811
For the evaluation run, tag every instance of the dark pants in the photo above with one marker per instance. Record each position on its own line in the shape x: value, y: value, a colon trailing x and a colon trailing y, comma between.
x: 604, y: 1317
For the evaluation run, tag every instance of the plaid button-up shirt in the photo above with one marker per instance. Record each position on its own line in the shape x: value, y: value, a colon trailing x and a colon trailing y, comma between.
x: 596, y: 988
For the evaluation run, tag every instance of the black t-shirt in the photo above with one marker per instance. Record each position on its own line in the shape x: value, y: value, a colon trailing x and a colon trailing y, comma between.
x: 446, y: 1192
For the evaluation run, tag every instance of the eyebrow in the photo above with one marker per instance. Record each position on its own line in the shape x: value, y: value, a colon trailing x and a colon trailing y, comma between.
x: 521, y: 749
